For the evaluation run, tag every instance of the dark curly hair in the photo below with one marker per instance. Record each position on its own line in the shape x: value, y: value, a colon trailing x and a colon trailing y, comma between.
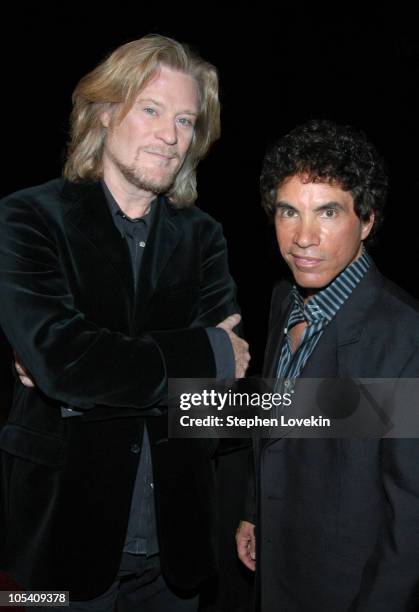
x: 323, y: 151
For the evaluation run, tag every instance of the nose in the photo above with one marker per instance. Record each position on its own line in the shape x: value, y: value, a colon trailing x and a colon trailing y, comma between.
x: 166, y: 131
x: 306, y: 234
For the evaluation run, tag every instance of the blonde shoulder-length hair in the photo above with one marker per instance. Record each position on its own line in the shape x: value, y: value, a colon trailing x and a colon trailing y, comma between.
x: 118, y: 80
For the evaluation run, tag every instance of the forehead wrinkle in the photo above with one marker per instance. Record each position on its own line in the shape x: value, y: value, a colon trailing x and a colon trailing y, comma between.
x: 313, y: 195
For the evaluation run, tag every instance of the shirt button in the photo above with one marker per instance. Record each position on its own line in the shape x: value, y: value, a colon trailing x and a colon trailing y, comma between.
x: 135, y: 448
x: 141, y: 244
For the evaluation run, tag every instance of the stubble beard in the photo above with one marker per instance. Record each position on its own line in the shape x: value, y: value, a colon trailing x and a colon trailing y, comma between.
x: 140, y: 180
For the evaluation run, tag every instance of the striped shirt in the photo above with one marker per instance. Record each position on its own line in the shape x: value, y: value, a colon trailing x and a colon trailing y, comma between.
x: 318, y: 312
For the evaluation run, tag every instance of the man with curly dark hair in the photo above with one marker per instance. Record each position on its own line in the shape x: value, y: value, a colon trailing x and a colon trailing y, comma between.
x: 337, y: 519
x: 324, y: 152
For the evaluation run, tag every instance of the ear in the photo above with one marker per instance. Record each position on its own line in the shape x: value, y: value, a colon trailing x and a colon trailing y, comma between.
x: 367, y: 226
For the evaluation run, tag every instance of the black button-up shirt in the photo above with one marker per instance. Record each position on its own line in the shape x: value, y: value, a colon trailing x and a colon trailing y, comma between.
x: 141, y: 535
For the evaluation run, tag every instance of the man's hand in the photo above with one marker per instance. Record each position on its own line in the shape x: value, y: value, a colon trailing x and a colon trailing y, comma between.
x: 240, y: 346
x: 24, y: 376
x: 246, y: 544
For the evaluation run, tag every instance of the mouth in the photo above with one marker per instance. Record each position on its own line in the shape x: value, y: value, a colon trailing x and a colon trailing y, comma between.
x: 161, y: 155
x: 305, y: 263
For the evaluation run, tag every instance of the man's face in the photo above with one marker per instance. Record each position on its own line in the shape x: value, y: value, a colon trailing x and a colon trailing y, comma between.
x: 317, y: 230
x: 147, y: 148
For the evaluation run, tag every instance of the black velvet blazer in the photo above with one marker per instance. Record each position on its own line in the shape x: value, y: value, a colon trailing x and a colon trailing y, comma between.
x: 338, y: 519
x: 69, y: 310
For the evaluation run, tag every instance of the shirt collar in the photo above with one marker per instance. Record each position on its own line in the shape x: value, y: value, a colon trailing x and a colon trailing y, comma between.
x: 324, y: 305
x: 116, y: 210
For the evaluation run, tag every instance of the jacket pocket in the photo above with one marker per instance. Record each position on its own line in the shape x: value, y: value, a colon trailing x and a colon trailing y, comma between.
x: 32, y: 445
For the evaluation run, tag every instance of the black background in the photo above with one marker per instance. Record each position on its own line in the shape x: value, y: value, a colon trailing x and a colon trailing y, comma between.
x: 278, y: 67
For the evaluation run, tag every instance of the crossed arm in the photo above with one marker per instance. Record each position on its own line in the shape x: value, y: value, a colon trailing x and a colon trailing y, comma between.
x: 62, y: 350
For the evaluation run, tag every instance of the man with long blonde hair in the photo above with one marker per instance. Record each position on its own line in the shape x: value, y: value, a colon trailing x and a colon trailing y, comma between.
x: 113, y: 282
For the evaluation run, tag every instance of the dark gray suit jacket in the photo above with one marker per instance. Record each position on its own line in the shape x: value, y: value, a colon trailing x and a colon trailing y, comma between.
x: 338, y: 519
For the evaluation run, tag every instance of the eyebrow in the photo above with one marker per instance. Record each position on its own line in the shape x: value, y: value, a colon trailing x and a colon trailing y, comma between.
x: 325, y: 206
x: 156, y: 103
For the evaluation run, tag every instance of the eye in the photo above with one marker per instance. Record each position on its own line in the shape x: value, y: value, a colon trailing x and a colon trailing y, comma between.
x: 329, y: 213
x: 286, y: 213
x: 149, y: 110
x: 185, y: 121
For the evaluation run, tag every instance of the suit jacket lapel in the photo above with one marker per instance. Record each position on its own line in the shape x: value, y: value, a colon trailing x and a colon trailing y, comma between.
x: 163, y: 238
x: 328, y: 358
x: 280, y: 308
x: 344, y: 329
x: 90, y: 214
x: 355, y: 313
x: 323, y: 362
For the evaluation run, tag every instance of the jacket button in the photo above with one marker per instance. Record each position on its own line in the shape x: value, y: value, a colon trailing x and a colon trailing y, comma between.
x: 135, y: 448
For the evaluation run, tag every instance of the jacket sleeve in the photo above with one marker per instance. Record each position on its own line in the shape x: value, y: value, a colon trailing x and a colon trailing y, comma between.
x: 390, y: 581
x: 70, y: 358
x: 216, y: 302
